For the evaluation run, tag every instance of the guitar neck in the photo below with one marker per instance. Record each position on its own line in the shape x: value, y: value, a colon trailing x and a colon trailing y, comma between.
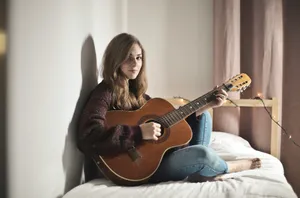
x: 182, y: 112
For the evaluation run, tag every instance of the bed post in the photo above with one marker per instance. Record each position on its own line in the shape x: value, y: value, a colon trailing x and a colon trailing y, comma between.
x: 275, y: 133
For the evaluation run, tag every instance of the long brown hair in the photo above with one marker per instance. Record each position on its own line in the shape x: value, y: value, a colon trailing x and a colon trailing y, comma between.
x: 126, y: 94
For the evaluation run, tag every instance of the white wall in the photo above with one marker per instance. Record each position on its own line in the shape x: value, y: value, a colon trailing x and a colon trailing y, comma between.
x: 45, y: 64
x: 44, y: 79
x: 178, y: 37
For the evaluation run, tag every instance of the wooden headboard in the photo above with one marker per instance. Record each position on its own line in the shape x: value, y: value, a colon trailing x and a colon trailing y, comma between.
x: 271, y: 103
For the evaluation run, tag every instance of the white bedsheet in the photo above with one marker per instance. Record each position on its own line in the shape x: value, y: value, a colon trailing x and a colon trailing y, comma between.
x: 268, y: 181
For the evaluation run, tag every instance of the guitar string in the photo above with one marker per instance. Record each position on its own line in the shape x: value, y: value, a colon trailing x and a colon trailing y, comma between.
x: 185, y: 110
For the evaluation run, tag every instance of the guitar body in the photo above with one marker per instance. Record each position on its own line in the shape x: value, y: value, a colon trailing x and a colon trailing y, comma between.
x: 136, y: 167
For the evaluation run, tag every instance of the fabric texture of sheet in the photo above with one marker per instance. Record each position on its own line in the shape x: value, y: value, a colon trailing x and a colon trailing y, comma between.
x: 268, y: 181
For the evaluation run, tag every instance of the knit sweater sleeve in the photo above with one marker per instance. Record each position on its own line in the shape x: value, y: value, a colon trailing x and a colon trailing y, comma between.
x: 95, y: 137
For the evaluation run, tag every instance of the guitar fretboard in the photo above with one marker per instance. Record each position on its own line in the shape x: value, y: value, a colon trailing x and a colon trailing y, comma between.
x: 182, y: 112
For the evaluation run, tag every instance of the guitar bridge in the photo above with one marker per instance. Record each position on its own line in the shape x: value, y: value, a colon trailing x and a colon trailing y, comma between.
x: 134, y: 154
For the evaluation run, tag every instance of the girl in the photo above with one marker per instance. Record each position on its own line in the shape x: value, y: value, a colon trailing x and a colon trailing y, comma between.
x: 124, y: 87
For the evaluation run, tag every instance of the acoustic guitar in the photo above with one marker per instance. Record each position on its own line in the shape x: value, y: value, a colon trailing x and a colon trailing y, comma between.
x: 139, y: 163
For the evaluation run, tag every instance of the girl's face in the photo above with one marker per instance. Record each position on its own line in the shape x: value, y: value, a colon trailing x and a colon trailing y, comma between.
x: 133, y: 64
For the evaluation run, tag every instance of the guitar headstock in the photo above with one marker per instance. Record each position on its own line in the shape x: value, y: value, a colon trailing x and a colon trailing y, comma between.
x: 239, y: 82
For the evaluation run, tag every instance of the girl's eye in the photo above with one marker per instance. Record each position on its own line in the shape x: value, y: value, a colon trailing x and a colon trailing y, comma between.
x: 132, y: 59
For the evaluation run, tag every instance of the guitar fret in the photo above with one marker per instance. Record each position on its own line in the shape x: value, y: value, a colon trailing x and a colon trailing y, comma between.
x: 183, y: 111
x: 194, y: 105
x: 173, y: 119
x: 165, y: 120
x: 202, y: 101
x: 178, y: 115
x: 180, y: 112
x: 190, y: 109
x: 176, y: 118
x: 168, y: 120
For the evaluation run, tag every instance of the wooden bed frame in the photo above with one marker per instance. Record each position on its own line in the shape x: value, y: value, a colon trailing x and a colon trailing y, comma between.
x: 271, y: 103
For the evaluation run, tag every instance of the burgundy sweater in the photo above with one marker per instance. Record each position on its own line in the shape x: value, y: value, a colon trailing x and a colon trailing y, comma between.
x: 94, y: 136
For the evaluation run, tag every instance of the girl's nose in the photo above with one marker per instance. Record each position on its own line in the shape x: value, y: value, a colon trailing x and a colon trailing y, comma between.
x: 134, y: 62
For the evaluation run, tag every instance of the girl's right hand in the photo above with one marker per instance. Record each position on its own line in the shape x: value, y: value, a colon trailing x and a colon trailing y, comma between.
x: 150, y: 131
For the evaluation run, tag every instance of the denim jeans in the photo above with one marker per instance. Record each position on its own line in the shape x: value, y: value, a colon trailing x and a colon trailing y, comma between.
x: 196, y: 158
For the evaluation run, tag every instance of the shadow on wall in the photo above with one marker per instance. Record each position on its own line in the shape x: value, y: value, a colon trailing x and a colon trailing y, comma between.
x: 3, y: 90
x: 72, y: 158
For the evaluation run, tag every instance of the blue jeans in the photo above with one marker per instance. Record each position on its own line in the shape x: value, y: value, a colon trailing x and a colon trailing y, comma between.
x: 196, y: 158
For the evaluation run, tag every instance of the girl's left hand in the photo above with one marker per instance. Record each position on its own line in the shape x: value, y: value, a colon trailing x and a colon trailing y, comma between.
x: 221, y: 97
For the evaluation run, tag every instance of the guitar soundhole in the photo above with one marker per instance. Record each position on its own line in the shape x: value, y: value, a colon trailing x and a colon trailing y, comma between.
x: 165, y: 131
x: 162, y: 129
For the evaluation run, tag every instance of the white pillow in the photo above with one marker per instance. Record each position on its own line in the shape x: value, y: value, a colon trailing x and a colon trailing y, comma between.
x: 219, y: 137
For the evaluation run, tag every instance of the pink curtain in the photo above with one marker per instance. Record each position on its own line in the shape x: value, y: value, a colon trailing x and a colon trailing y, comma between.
x: 290, y: 154
x: 262, y: 58
x: 261, y: 38
x: 248, y: 38
x: 226, y: 58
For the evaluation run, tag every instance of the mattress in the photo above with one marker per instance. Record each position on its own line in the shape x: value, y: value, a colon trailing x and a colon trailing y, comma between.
x: 267, y: 181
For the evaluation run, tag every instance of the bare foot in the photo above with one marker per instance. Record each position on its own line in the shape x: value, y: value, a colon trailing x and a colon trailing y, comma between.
x: 241, y: 165
x: 233, y: 166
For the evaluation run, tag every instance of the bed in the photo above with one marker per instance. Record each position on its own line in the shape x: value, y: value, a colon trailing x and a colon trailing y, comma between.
x: 268, y: 181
